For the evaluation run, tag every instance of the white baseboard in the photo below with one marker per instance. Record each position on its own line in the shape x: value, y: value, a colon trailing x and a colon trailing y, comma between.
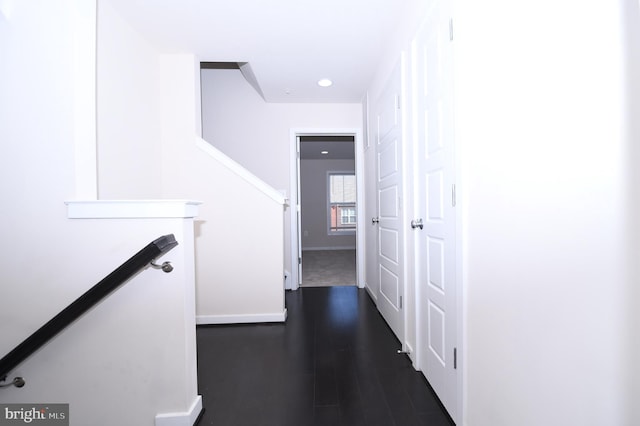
x: 181, y: 419
x: 412, y: 355
x: 372, y: 293
x: 241, y: 319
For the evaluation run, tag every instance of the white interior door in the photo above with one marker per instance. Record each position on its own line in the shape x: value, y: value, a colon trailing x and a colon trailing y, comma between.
x: 389, y: 195
x: 432, y: 67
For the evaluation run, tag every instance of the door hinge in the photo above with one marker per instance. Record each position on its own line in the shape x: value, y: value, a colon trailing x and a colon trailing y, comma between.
x: 451, y: 29
x: 299, y: 261
x: 400, y: 302
x: 398, y: 102
x: 453, y: 195
x: 455, y: 358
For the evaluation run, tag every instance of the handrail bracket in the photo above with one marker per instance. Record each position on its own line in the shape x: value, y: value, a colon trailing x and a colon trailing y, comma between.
x: 17, y: 382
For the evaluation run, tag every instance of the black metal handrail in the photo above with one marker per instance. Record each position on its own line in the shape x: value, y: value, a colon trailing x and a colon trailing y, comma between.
x: 85, y: 302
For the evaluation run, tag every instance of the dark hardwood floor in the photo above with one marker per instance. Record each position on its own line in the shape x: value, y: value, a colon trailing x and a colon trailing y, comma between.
x: 333, y: 362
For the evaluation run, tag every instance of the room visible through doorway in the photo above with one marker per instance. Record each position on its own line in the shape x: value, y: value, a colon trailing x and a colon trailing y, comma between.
x: 328, y: 207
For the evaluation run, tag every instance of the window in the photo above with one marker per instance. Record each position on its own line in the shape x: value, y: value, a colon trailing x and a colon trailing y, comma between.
x: 347, y: 215
x: 342, y: 202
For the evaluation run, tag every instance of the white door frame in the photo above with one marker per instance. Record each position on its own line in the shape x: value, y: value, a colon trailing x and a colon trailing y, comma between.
x: 294, y: 133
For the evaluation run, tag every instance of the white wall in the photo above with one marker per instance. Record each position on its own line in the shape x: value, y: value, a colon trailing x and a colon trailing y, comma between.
x: 540, y: 116
x: 126, y: 360
x: 37, y: 135
x: 314, y: 199
x: 631, y: 46
x: 129, y: 129
x: 149, y: 120
x: 239, y: 232
x: 236, y: 120
x: 136, y: 349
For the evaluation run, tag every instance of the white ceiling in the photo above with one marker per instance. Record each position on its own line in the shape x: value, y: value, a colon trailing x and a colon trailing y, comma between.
x: 289, y: 44
x: 336, y: 148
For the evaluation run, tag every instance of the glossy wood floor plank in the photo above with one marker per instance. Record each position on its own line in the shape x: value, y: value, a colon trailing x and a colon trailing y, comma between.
x: 333, y: 362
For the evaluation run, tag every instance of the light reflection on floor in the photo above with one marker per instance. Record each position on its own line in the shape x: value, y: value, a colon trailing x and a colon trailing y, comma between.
x: 342, y: 305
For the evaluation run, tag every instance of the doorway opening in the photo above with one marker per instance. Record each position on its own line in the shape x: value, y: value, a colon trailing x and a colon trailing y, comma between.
x: 328, y: 207
x: 325, y: 197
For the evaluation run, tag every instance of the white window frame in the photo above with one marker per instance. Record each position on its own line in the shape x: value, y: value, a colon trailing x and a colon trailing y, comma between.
x: 331, y: 231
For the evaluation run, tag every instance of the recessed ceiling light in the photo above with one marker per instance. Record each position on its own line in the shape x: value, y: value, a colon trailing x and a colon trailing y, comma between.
x: 325, y: 82
x: 324, y: 152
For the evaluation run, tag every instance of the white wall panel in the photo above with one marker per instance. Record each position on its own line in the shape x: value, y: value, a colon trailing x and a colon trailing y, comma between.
x: 128, y: 111
x: 236, y: 120
x: 545, y: 191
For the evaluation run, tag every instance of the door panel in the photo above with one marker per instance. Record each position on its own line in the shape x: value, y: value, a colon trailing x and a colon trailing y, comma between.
x: 435, y: 196
x: 389, y: 245
x: 388, y: 113
x: 389, y: 202
x: 389, y: 188
x: 431, y: 60
x: 389, y: 285
x: 435, y: 264
x: 437, y: 333
x: 388, y: 159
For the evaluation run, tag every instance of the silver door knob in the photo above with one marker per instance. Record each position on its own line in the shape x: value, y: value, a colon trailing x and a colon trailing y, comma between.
x: 374, y: 220
x: 417, y: 223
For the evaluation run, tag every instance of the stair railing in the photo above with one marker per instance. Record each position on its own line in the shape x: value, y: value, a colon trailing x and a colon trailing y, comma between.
x: 82, y: 304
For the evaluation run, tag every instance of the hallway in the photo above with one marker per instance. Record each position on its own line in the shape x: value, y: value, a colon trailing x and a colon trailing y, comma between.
x: 333, y: 363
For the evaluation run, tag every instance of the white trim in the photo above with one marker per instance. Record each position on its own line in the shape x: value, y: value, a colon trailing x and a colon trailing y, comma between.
x: 359, y: 148
x: 241, y: 318
x: 360, y: 196
x: 131, y: 209
x: 296, y: 245
x: 239, y: 170
x: 187, y: 418
x: 411, y: 354
x: 372, y: 293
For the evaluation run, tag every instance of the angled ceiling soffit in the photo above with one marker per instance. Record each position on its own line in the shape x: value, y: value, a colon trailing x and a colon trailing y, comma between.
x: 244, y: 67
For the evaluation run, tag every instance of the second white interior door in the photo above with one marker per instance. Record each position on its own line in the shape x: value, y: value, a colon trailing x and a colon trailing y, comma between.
x: 390, y: 257
x: 431, y: 59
